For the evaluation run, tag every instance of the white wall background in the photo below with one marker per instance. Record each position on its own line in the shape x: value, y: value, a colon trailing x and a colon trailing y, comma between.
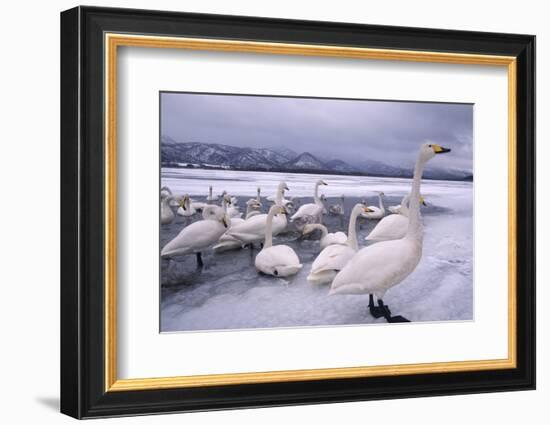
x: 29, y: 210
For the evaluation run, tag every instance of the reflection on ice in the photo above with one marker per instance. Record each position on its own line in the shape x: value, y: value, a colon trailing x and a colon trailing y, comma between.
x: 228, y: 293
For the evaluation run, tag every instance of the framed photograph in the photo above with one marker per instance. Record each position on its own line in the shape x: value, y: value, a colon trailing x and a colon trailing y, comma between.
x: 261, y: 212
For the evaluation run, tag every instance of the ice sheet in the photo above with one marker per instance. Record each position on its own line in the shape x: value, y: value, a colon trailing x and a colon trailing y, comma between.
x: 228, y: 293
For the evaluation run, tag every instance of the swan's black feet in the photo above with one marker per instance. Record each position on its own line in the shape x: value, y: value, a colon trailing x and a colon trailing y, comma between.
x: 397, y: 319
x: 200, y: 264
x: 379, y: 310
x: 376, y: 311
x: 387, y: 313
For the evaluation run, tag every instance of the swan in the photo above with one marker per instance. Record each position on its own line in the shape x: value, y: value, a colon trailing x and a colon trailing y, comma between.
x: 377, y: 212
x: 231, y: 210
x: 252, y: 208
x: 378, y: 267
x: 276, y: 260
x: 310, y: 213
x: 393, y: 226
x: 258, y: 198
x: 198, y: 235
x: 166, y: 213
x: 326, y: 237
x: 337, y: 209
x: 186, y: 208
x: 211, y: 198
x: 334, y: 257
x: 253, y: 229
x: 166, y: 191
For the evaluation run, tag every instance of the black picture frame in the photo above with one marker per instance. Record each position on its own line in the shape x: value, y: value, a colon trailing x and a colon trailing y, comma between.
x: 83, y: 392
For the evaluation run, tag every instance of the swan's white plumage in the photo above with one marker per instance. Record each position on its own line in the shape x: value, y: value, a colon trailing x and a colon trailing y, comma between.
x: 198, y: 235
x: 326, y: 237
x: 310, y: 213
x: 166, y: 213
x: 334, y: 257
x: 276, y: 260
x: 391, y: 227
x: 376, y: 212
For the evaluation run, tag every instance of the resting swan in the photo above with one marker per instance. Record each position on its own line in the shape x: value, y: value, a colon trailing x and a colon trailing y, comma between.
x: 166, y: 213
x: 310, y: 213
x: 186, y: 208
x: 377, y: 212
x: 378, y: 267
x: 393, y: 226
x: 276, y: 260
x: 334, y: 257
x: 198, y: 235
x: 253, y: 229
x: 326, y: 237
x: 337, y: 209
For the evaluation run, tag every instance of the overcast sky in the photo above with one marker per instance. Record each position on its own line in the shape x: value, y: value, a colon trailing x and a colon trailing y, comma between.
x: 351, y: 130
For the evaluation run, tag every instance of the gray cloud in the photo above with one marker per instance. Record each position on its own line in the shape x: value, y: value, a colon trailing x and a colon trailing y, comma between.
x: 351, y: 130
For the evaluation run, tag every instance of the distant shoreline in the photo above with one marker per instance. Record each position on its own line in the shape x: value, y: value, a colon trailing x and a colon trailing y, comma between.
x: 303, y: 171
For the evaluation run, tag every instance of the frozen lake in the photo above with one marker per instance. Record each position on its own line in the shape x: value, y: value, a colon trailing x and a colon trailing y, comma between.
x: 228, y: 293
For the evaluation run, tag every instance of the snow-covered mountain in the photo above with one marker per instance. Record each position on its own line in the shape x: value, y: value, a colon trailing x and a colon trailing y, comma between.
x: 306, y: 161
x: 213, y: 155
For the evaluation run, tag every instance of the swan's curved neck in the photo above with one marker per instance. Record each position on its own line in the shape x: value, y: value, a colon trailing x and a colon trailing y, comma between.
x: 352, y: 233
x: 166, y: 201
x: 323, y: 229
x: 316, y: 198
x: 269, y: 228
x: 279, y: 197
x: 380, y: 203
x: 414, y: 230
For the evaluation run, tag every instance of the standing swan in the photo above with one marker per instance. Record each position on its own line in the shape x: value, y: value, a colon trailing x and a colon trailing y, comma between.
x: 198, y: 235
x: 377, y: 212
x: 278, y: 260
x: 376, y: 268
x: 310, y: 213
x: 326, y: 237
x: 334, y: 257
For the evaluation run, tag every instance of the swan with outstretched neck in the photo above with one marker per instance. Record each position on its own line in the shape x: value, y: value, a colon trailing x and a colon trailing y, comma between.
x: 310, y: 213
x: 334, y: 257
x: 378, y: 267
x: 276, y: 260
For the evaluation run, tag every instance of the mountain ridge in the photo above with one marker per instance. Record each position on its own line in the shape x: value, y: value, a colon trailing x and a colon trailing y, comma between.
x: 215, y: 155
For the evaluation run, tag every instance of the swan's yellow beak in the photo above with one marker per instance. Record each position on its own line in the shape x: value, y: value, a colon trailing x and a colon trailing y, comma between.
x: 282, y: 211
x: 422, y: 201
x: 224, y: 221
x: 182, y: 204
x: 368, y: 210
x: 440, y: 149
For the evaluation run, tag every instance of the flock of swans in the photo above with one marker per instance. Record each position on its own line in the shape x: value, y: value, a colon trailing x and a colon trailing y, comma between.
x: 394, y: 251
